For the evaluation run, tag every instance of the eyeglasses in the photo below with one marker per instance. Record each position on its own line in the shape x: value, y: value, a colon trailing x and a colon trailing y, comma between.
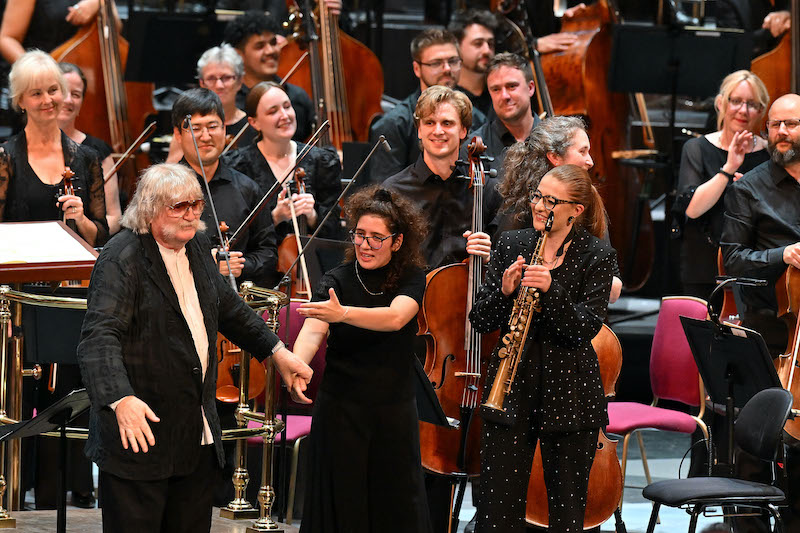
x: 227, y: 79
x: 790, y: 123
x: 212, y: 128
x: 550, y: 202
x: 452, y: 62
x: 180, y: 209
x: 736, y: 103
x: 373, y: 242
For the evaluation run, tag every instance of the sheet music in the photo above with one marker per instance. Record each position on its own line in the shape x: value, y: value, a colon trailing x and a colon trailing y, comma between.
x: 39, y: 242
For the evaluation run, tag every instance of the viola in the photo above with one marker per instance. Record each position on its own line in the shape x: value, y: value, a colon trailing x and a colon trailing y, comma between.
x: 230, y: 360
x: 457, y: 356
x: 605, y: 477
x: 343, y: 77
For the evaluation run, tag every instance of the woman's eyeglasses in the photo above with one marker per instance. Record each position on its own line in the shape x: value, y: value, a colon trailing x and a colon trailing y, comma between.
x: 373, y: 242
x: 550, y: 202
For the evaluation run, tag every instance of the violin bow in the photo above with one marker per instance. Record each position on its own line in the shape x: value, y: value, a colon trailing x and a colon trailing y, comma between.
x: 139, y: 140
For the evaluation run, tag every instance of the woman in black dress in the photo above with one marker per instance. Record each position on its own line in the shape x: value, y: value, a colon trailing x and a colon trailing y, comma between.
x: 32, y: 163
x: 270, y: 113
x: 557, y: 394
x: 365, y: 474
x: 71, y: 108
x: 708, y: 165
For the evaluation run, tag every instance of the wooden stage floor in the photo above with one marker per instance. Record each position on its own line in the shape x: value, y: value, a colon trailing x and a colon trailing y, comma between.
x: 88, y: 521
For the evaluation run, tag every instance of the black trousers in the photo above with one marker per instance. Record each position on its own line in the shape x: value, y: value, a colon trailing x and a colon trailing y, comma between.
x: 179, y: 504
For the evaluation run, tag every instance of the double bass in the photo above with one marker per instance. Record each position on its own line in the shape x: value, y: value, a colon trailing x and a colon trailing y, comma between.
x: 778, y: 68
x: 343, y: 77
x: 112, y: 108
x: 457, y: 355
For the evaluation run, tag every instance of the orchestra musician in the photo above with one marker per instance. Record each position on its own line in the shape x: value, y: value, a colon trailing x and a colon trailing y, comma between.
x: 709, y: 164
x: 364, y: 432
x: 33, y: 162
x: 254, y: 256
x: 474, y: 29
x: 436, y: 61
x: 73, y: 100
x: 554, y: 142
x: 760, y: 238
x: 272, y: 116
x: 557, y: 393
x: 147, y: 356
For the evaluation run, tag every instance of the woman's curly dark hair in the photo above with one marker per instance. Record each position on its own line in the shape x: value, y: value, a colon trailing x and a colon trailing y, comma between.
x: 401, y: 217
x: 526, y: 162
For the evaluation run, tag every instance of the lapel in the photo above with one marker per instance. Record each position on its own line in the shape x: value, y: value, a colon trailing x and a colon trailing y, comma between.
x: 158, y: 272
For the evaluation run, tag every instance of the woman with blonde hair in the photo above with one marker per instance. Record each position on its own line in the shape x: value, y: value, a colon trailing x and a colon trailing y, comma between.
x: 708, y: 165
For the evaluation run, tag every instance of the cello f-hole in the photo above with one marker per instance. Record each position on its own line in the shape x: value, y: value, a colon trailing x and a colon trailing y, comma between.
x: 449, y: 357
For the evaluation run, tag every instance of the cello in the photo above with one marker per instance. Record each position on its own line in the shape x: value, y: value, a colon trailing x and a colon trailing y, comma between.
x: 112, y: 107
x: 578, y: 82
x: 787, y: 290
x: 605, y: 477
x: 343, y: 77
x: 457, y: 355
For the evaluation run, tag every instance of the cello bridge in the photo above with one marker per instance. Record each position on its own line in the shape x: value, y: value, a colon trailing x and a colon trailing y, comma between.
x: 467, y: 374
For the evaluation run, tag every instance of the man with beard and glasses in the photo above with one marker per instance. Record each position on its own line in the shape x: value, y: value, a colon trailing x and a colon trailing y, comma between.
x: 474, y: 30
x: 760, y: 239
x: 148, y: 359
x: 436, y: 62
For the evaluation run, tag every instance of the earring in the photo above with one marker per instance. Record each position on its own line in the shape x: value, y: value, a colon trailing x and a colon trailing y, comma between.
x: 570, y: 219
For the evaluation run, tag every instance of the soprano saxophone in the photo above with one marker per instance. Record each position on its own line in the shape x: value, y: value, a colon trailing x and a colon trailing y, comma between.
x: 527, y: 303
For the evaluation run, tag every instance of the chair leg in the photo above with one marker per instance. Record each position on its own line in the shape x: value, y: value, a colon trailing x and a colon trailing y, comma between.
x: 644, y: 458
x: 693, y: 522
x: 293, y: 479
x: 651, y: 526
x: 624, y: 466
x: 776, y: 514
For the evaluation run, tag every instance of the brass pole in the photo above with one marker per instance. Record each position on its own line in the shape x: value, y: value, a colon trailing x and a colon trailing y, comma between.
x: 239, y: 508
x: 14, y: 408
x: 6, y: 522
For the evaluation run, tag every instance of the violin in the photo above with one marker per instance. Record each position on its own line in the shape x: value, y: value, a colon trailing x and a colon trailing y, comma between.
x: 290, y: 247
x: 343, y: 77
x: 605, y: 477
x: 230, y: 359
x: 457, y: 356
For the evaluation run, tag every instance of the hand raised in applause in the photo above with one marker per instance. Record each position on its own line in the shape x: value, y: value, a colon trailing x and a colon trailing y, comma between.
x: 294, y: 372
x: 741, y: 144
x: 513, y: 275
x: 132, y: 416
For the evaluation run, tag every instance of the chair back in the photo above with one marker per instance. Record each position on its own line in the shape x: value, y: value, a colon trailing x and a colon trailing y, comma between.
x: 759, y: 426
x: 673, y: 371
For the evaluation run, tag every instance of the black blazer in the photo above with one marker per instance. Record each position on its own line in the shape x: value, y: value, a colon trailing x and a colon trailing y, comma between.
x: 573, y: 311
x: 135, y: 341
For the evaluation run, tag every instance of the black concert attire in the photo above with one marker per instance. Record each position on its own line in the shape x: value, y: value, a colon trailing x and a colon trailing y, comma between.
x: 760, y: 221
x: 247, y: 138
x: 138, y: 340
x: 701, y: 161
x: 497, y: 139
x: 482, y: 102
x: 235, y: 195
x: 398, y: 127
x: 446, y: 205
x: 98, y: 145
x: 323, y: 181
x: 25, y: 198
x: 303, y: 108
x: 559, y: 395
x: 48, y: 27
x: 364, y: 453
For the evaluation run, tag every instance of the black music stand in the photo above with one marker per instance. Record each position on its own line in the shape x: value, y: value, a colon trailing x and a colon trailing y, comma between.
x: 734, y: 363
x: 55, y: 417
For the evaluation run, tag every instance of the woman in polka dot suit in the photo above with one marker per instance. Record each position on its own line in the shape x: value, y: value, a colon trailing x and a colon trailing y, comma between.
x: 557, y: 394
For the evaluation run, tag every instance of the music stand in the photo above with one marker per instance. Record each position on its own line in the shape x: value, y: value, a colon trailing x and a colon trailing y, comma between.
x: 734, y: 363
x: 57, y: 416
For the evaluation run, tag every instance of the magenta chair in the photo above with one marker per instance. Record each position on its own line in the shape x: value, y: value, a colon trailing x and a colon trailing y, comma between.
x: 673, y: 376
x: 298, y: 426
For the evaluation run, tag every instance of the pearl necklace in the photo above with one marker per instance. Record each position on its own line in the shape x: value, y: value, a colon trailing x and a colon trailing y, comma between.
x: 362, y: 283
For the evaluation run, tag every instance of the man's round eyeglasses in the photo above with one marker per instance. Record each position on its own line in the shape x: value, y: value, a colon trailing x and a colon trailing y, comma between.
x: 550, y: 202
x: 373, y: 242
x: 452, y: 62
x: 181, y: 208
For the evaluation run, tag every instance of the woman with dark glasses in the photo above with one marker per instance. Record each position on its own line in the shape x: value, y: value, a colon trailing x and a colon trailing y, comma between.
x: 365, y: 470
